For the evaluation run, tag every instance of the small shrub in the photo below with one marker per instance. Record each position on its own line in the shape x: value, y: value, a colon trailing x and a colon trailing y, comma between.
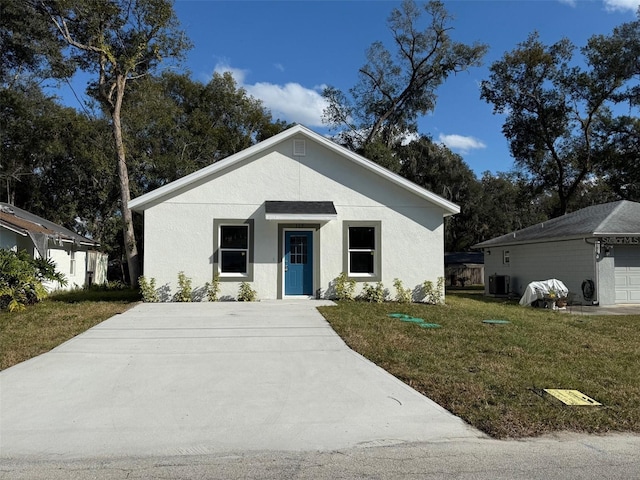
x: 213, y: 288
x: 373, y: 293
x: 402, y: 295
x: 433, y: 295
x: 148, y: 289
x: 184, y: 288
x: 246, y: 293
x: 345, y: 287
x: 21, y: 278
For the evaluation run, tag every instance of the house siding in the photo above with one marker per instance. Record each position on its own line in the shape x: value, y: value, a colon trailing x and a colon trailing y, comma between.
x: 179, y: 231
x: 570, y: 261
x: 62, y: 258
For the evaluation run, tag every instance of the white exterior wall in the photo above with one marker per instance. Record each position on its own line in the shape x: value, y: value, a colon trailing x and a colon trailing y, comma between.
x: 179, y: 232
x: 62, y: 258
x: 571, y: 262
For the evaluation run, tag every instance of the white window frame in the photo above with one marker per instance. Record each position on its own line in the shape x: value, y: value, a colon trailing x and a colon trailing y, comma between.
x: 506, y: 257
x: 376, y: 275
x: 221, y: 250
x: 218, y: 223
x: 72, y: 262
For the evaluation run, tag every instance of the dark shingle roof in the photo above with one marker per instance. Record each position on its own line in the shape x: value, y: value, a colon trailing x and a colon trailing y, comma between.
x: 615, y: 218
x: 312, y: 208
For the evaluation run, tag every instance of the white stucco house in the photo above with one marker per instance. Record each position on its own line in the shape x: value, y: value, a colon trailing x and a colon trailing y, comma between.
x: 595, y: 252
x: 288, y: 215
x: 75, y: 256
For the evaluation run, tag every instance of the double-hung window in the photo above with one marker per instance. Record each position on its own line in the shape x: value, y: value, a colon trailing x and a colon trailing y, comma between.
x: 234, y: 248
x: 72, y: 262
x: 362, y: 249
x: 234, y: 253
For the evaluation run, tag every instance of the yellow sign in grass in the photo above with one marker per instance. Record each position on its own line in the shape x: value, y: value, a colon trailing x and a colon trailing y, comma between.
x: 571, y: 397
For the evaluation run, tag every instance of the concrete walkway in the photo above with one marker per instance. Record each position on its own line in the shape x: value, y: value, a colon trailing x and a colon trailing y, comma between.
x: 209, y: 378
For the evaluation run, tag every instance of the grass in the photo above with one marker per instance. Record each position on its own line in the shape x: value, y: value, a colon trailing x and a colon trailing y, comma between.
x: 490, y: 375
x: 493, y: 375
x: 46, y: 325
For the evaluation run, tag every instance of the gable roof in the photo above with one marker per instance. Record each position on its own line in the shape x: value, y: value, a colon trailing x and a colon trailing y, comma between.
x: 615, y: 218
x: 27, y: 224
x: 149, y: 199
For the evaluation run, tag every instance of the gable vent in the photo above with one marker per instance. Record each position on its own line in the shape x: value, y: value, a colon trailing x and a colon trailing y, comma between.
x: 299, y: 148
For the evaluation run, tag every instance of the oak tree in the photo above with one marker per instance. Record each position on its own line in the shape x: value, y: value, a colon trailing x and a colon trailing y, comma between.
x: 394, y: 89
x: 119, y: 41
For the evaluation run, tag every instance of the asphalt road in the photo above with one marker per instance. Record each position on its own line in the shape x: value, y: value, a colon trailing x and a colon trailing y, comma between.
x: 562, y: 457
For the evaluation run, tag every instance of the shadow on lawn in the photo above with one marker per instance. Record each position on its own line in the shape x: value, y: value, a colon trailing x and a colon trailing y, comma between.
x: 477, y: 294
x: 97, y: 294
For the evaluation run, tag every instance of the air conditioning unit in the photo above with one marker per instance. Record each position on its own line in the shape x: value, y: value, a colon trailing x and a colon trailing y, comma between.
x: 499, y: 284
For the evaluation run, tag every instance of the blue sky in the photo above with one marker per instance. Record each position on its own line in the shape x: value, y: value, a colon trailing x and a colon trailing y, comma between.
x: 284, y: 52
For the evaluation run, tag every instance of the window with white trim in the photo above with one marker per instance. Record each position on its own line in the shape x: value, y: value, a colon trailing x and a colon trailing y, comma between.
x: 505, y: 257
x: 362, y: 250
x: 72, y: 263
x: 233, y: 249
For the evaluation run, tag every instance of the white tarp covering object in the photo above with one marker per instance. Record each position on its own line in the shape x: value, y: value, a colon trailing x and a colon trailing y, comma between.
x: 535, y: 291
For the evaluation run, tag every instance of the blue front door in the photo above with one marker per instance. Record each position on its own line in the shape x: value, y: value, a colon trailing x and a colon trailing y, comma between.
x: 298, y: 263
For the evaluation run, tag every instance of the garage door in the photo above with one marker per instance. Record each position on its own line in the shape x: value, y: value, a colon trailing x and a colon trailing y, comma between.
x: 627, y: 263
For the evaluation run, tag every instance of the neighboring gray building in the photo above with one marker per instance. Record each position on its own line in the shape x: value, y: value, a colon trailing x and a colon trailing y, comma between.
x: 595, y: 252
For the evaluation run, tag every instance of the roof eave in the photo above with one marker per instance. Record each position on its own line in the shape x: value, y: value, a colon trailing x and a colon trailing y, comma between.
x: 144, y: 201
x: 508, y: 243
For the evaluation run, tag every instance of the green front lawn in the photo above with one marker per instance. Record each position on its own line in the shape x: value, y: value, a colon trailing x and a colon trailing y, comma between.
x: 492, y: 375
x: 44, y: 326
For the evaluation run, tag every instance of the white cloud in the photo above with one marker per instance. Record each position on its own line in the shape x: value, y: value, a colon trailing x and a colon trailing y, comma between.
x: 291, y: 102
x: 571, y: 3
x: 621, y: 5
x: 461, y: 143
x: 237, y: 73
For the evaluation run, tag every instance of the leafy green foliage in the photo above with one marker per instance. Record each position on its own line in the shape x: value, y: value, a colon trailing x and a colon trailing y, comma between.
x: 185, y: 291
x: 119, y: 41
x: 559, y: 121
x: 177, y: 125
x: 28, y: 46
x: 148, y: 289
x: 394, y: 89
x: 344, y: 287
x: 373, y: 293
x: 402, y: 295
x: 22, y: 277
x: 433, y: 295
x: 246, y: 293
x: 213, y: 288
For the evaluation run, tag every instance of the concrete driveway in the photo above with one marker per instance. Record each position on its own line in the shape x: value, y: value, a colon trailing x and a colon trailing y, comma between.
x: 182, y: 379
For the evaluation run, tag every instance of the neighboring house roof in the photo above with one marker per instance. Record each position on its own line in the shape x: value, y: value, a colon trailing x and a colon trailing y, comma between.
x: 27, y: 224
x: 461, y: 258
x: 615, y: 218
x: 149, y: 199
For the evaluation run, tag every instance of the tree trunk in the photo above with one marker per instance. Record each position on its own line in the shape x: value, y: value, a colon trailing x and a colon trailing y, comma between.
x: 130, y: 245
